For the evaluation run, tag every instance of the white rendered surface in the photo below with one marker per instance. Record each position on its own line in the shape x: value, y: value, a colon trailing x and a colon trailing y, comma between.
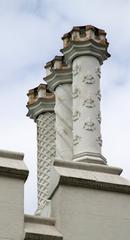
x: 83, y: 213
x: 12, y: 180
x: 11, y: 208
x: 86, y: 106
x: 63, y: 110
x: 40, y: 228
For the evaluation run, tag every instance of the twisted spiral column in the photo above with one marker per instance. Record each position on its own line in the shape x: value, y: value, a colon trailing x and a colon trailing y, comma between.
x: 63, y: 110
x: 59, y: 80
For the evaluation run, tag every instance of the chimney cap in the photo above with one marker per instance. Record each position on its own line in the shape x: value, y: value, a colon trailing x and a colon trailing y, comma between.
x: 80, y: 29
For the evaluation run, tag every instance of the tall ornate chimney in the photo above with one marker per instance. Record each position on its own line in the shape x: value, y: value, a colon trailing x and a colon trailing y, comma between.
x: 59, y: 80
x: 86, y: 196
x: 41, y: 109
x: 85, y: 49
x: 68, y: 125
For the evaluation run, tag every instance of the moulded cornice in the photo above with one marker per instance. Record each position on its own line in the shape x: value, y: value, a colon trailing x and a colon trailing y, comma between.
x: 12, y: 165
x: 36, y: 236
x: 40, y: 106
x: 90, y: 47
x: 89, y: 167
x: 40, y: 228
x: 90, y: 157
x: 39, y: 220
x: 58, y: 77
x: 93, y: 176
x: 99, y: 185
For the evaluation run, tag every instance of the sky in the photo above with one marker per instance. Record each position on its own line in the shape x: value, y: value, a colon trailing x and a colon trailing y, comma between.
x: 30, y: 36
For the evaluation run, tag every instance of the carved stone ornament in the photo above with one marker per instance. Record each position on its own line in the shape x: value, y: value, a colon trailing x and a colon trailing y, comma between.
x: 99, y: 141
x: 76, y: 139
x: 89, y: 125
x: 89, y: 102
x: 76, y: 93
x: 76, y: 116
x: 76, y: 69
x: 98, y: 71
x: 99, y: 117
x: 46, y: 153
x: 88, y: 79
x: 98, y: 94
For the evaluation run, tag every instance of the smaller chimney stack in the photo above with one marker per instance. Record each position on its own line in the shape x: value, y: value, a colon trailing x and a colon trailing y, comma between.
x: 59, y: 80
x: 41, y: 109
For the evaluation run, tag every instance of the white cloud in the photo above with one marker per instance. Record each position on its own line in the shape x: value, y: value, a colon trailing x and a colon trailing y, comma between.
x: 31, y: 34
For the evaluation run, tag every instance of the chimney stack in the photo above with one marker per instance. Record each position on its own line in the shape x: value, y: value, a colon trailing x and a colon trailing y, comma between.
x: 87, y: 195
x: 41, y: 109
x: 67, y: 109
x: 59, y: 80
x: 85, y: 49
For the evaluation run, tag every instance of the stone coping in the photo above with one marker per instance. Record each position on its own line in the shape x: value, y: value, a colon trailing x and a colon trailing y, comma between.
x: 83, y: 29
x: 36, y: 236
x: 56, y: 62
x: 12, y: 165
x: 81, y: 34
x: 39, y: 220
x: 92, y: 176
x: 40, y: 228
x: 39, y: 93
x: 11, y: 154
x: 88, y: 166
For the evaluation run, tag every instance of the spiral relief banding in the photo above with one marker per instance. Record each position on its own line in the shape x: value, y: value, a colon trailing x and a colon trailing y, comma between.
x: 45, y: 155
x: 63, y: 110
